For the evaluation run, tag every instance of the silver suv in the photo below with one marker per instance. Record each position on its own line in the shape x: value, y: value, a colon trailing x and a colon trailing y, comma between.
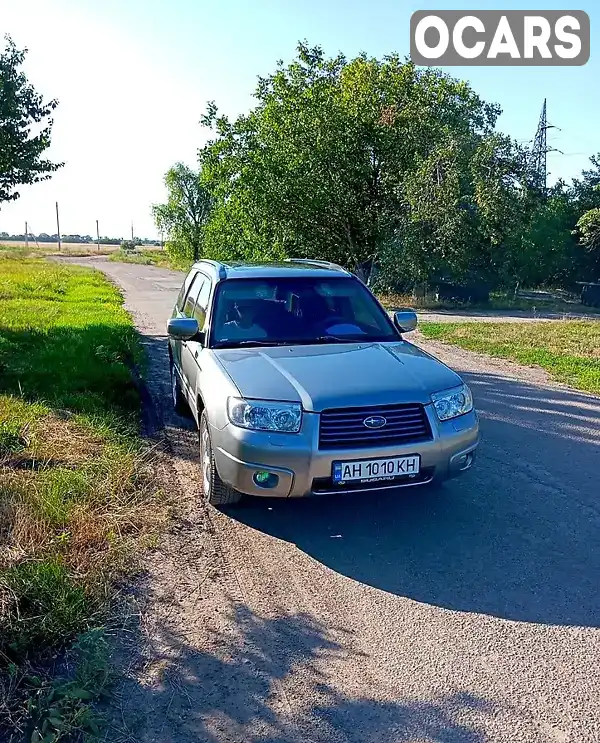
x: 301, y: 384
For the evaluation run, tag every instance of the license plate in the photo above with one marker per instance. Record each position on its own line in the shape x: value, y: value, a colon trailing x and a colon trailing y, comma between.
x: 373, y: 470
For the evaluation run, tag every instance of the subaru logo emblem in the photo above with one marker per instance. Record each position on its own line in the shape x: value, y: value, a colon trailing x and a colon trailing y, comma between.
x: 374, y: 421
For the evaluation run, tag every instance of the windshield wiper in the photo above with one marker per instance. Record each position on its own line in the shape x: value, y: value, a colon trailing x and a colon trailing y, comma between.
x: 302, y: 341
x: 331, y: 339
x: 343, y: 339
x: 249, y: 343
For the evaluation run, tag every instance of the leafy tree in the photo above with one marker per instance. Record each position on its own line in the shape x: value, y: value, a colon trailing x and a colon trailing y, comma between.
x: 585, y: 196
x: 588, y: 227
x: 185, y: 214
x: 545, y: 252
x: 586, y: 190
x: 375, y: 160
x: 358, y: 160
x: 25, y: 127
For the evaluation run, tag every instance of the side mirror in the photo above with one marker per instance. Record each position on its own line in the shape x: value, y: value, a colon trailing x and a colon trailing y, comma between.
x: 183, y: 328
x: 405, y: 320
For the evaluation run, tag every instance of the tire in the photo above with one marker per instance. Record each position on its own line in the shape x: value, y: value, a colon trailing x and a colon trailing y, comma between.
x: 180, y: 405
x: 215, y: 491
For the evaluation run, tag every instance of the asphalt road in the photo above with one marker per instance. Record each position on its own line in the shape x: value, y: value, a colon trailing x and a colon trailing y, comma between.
x: 465, y: 614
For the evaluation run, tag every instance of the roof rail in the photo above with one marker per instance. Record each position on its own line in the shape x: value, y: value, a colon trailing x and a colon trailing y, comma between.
x: 314, y: 262
x: 220, y: 267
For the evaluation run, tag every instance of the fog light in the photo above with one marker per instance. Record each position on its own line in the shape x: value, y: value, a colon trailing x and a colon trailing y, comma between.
x: 466, y: 461
x: 266, y: 480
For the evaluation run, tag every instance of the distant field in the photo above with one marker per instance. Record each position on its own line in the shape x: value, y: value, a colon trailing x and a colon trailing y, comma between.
x: 76, y: 249
x: 50, y: 248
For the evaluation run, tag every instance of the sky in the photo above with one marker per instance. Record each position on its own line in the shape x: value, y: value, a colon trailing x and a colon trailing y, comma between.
x: 133, y: 78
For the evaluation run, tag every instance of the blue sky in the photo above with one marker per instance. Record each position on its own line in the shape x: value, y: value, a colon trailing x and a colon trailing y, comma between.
x: 133, y: 79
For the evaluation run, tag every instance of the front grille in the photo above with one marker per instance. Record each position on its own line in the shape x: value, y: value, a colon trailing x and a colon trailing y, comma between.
x: 344, y: 428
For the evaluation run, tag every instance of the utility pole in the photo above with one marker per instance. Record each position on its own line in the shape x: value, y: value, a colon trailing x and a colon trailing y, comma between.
x: 26, y: 236
x: 58, y: 227
x: 132, y: 232
x: 538, y: 160
x: 98, y: 235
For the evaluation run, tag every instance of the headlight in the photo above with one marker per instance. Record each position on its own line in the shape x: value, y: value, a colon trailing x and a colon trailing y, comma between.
x: 264, y: 415
x: 452, y: 403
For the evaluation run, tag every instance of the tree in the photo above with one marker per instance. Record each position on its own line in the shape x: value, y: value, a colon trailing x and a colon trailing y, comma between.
x: 588, y: 227
x: 185, y: 214
x: 545, y: 252
x: 25, y: 127
x: 586, y: 190
x: 358, y: 160
x: 585, y: 195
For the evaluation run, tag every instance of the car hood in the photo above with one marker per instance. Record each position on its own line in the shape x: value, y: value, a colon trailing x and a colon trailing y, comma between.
x: 341, y: 375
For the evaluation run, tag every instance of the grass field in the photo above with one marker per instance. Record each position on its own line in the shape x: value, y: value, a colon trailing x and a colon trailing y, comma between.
x: 76, y: 494
x: 150, y: 257
x: 568, y: 349
x: 74, y: 249
x: 22, y: 250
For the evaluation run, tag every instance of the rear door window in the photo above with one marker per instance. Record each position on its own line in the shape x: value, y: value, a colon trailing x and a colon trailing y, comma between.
x: 184, y: 289
x: 192, y: 295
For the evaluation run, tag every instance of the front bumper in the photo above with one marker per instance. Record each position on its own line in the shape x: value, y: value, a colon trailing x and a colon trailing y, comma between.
x: 303, y: 469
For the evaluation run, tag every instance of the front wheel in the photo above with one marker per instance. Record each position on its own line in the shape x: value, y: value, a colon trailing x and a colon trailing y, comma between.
x: 215, y: 491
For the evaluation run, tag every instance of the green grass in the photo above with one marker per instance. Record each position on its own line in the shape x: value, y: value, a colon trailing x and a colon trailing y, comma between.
x: 76, y: 493
x: 159, y: 258
x: 60, y: 709
x: 568, y: 349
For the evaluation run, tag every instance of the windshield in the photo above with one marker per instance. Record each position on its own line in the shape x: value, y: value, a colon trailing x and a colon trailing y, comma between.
x: 300, y: 310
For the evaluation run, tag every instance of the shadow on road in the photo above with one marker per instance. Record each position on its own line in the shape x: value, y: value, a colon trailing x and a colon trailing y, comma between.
x: 244, y: 688
x: 518, y: 537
